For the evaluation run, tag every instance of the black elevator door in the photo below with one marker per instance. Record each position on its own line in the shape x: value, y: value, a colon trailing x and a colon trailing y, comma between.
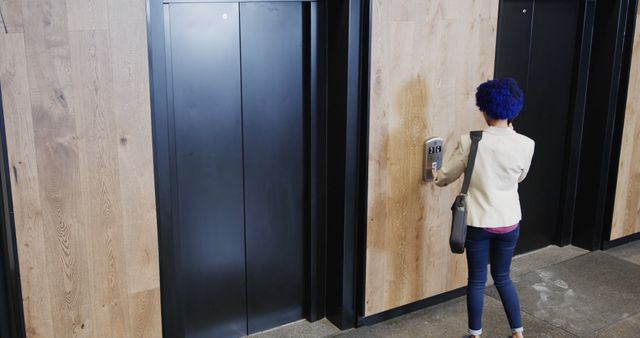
x: 205, y: 59
x: 237, y: 84
x: 273, y: 111
x: 537, y: 46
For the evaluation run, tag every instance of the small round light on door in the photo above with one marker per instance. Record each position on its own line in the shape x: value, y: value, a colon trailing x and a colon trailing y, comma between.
x: 524, y: 11
x: 225, y: 16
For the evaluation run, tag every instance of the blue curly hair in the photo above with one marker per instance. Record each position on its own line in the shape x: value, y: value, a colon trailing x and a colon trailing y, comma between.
x: 500, y: 99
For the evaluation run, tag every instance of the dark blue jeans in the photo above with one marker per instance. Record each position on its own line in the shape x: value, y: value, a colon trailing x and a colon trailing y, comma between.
x: 483, y: 247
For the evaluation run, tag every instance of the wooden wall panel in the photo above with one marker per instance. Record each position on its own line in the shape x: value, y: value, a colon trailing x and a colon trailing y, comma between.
x: 428, y: 56
x: 57, y: 162
x: 131, y: 97
x: 75, y: 87
x: 10, y: 16
x: 25, y: 187
x: 87, y: 14
x: 626, y: 214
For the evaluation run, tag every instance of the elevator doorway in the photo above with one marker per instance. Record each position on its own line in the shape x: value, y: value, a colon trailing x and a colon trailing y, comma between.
x: 537, y: 45
x: 233, y: 139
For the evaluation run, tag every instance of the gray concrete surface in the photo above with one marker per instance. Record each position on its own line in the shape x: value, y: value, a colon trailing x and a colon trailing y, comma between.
x: 629, y: 252
x: 564, y: 292
x: 302, y: 329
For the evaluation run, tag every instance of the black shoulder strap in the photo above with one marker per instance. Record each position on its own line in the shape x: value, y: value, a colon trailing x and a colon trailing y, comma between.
x: 476, y: 136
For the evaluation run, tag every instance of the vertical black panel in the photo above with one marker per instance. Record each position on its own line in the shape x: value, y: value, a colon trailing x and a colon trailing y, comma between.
x: 577, y: 120
x: 337, y: 110
x: 348, y: 71
x: 317, y: 160
x: 4, y: 303
x: 607, y: 94
x: 599, y: 124
x: 514, y: 40
x: 205, y: 59
x: 363, y: 159
x: 273, y: 118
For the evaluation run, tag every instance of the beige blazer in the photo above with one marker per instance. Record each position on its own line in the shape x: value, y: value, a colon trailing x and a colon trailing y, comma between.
x: 502, y: 161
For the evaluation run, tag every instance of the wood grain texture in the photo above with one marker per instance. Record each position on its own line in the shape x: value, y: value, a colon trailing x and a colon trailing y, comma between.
x: 87, y: 14
x: 58, y: 163
x: 427, y: 59
x: 76, y: 104
x: 131, y: 106
x: 25, y: 187
x: 144, y: 311
x: 626, y: 214
x: 91, y: 74
x: 10, y: 16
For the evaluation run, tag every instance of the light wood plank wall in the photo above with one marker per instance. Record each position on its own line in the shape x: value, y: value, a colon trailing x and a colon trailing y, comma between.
x: 626, y: 214
x: 428, y: 56
x: 75, y: 84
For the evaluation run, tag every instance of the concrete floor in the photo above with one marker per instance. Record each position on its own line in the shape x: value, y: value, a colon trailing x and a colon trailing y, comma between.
x: 564, y: 292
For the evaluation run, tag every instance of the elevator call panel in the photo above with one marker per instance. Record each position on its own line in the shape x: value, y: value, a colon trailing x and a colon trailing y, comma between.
x: 433, y: 154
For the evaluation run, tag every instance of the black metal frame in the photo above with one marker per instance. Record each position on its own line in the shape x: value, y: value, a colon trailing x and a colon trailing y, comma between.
x: 421, y: 304
x: 8, y: 242
x: 576, y: 126
x: 608, y: 244
x: 603, y: 123
x: 365, y: 97
x: 316, y: 165
x: 348, y: 75
x: 315, y: 160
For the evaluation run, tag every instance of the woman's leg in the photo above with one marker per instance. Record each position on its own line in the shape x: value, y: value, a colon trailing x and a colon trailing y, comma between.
x: 477, y: 248
x: 502, y: 249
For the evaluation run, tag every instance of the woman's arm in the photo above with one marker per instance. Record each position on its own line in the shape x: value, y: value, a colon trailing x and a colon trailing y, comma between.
x: 455, y: 166
x: 527, y: 165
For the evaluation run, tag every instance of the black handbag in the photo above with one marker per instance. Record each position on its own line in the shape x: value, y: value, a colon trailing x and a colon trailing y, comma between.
x: 459, y: 207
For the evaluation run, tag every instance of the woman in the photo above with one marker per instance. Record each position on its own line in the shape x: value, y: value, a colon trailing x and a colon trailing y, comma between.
x: 502, y: 161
